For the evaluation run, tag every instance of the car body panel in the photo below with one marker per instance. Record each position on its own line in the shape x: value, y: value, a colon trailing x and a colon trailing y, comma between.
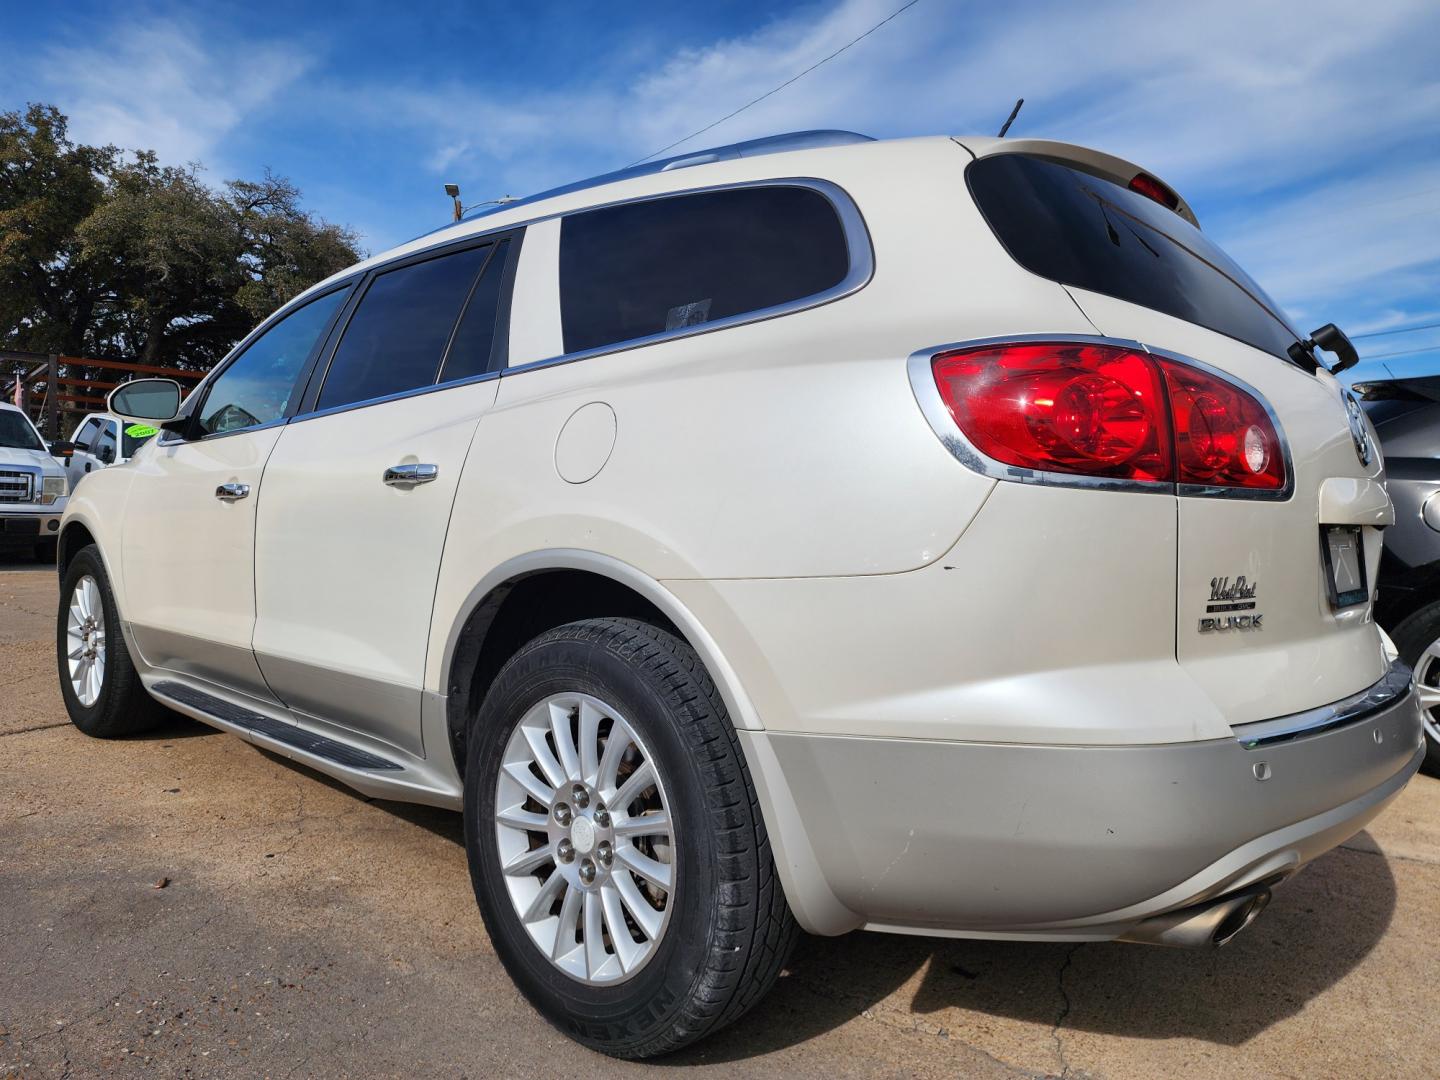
x: 189, y: 589
x: 327, y: 522
x: 1306, y: 654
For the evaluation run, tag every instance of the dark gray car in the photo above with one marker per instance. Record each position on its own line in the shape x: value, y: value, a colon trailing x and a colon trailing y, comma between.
x: 1406, y: 415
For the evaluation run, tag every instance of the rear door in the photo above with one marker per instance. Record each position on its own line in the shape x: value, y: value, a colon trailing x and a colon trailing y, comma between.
x: 1272, y: 615
x: 359, y: 489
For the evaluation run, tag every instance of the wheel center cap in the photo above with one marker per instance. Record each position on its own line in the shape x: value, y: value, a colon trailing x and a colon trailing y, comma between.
x: 582, y: 835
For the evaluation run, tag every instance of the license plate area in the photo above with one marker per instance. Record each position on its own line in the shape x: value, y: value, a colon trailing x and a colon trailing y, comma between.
x: 1342, y: 552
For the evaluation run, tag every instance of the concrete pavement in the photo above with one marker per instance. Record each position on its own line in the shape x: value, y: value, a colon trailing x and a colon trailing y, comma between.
x: 303, y: 930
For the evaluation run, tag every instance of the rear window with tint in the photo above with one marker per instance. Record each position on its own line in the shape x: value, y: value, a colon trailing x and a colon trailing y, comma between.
x: 1080, y: 230
x: 397, y: 338
x: 643, y: 268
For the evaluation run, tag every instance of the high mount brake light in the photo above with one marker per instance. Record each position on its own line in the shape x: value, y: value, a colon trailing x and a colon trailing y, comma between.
x: 1147, y: 185
x: 1109, y: 412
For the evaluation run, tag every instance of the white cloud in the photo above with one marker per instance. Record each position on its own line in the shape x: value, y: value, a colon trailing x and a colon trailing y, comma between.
x: 1382, y: 224
x: 1288, y: 125
x: 169, y: 85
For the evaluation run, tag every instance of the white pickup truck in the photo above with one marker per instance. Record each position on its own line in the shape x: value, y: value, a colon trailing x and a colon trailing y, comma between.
x: 103, y: 439
x: 33, y: 486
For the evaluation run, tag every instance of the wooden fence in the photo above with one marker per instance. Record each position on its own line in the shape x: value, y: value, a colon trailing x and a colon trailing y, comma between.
x: 56, y: 390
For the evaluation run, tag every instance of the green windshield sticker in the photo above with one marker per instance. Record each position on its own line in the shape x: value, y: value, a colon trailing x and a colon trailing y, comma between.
x: 140, y: 431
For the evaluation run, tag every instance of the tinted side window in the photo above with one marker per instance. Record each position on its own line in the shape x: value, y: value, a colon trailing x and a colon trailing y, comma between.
x: 642, y: 268
x: 105, y: 443
x: 397, y: 336
x: 475, y: 336
x: 1080, y: 230
x: 86, y: 435
x: 256, y: 387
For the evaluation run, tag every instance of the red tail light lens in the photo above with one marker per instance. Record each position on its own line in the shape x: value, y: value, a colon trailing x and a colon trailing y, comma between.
x: 1070, y: 408
x: 1223, y: 436
x: 1106, y: 411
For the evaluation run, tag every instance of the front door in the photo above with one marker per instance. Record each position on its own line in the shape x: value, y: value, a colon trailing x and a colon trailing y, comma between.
x: 358, y: 494
x: 189, y: 532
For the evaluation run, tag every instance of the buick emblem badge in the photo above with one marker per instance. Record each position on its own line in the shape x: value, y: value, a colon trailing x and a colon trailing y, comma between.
x: 1358, y: 431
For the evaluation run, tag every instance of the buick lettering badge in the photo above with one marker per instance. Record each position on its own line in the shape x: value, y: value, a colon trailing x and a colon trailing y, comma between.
x: 1231, y: 596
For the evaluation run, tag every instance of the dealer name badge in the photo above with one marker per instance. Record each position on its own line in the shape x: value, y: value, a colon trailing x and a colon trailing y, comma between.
x: 1228, y: 600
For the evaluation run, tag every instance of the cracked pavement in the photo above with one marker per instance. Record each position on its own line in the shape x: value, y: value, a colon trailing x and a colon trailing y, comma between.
x: 307, y: 931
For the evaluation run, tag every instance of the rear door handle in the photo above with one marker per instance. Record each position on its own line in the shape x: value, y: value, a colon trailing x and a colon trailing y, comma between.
x: 406, y: 475
x: 231, y: 492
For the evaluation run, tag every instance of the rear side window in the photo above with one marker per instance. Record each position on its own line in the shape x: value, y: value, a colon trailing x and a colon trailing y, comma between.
x: 1080, y: 230
x: 474, y: 340
x: 397, y: 337
x: 105, y: 443
x: 643, y: 268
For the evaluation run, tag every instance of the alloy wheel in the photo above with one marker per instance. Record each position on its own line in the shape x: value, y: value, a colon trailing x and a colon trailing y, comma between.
x: 85, y: 641
x: 585, y: 838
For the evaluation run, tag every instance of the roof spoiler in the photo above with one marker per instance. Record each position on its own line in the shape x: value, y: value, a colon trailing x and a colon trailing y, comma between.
x: 1106, y: 166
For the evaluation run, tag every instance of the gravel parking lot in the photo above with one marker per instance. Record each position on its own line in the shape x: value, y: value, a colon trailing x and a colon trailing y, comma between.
x: 185, y: 904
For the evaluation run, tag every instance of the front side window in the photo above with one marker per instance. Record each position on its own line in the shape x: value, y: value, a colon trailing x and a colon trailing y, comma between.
x: 17, y: 432
x: 396, y: 339
x: 257, y: 387
x: 85, y: 437
x: 643, y: 268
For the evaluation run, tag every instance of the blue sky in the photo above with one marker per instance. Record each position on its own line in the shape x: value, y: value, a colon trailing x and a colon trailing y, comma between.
x: 1306, y: 135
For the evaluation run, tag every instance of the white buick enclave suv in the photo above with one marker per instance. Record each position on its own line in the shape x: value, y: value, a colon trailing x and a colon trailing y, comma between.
x: 937, y: 535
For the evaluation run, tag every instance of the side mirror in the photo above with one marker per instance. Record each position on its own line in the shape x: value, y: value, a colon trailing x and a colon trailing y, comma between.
x: 145, y: 399
x: 1333, y: 340
x: 62, y: 449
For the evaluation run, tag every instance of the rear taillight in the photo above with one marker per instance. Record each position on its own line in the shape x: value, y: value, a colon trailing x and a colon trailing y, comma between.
x: 1107, y: 411
x: 1223, y: 436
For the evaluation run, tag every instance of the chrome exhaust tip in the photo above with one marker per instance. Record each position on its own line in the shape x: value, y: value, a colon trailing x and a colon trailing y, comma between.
x: 1206, y: 925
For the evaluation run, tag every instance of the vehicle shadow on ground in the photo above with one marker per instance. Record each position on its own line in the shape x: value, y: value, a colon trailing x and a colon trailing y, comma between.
x: 1319, y: 926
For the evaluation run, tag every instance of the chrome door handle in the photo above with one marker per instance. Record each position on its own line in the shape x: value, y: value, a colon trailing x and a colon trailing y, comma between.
x: 405, y: 475
x: 231, y: 492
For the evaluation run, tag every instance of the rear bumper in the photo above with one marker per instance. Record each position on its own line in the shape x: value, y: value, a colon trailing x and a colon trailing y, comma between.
x: 1075, y: 843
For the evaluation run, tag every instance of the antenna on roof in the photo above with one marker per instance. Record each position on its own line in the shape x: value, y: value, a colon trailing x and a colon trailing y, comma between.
x: 1013, y: 113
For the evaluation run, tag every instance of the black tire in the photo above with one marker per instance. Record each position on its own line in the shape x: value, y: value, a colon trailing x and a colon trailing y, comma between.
x: 123, y: 707
x: 730, y: 929
x: 1416, y: 633
x: 46, y: 550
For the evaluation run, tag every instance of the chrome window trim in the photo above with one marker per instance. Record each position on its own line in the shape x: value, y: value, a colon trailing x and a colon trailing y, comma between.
x: 428, y: 388
x: 927, y: 395
x: 1393, y: 688
x: 858, y: 246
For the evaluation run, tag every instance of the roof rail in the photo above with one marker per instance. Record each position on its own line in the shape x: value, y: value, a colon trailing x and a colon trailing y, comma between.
x: 771, y: 144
